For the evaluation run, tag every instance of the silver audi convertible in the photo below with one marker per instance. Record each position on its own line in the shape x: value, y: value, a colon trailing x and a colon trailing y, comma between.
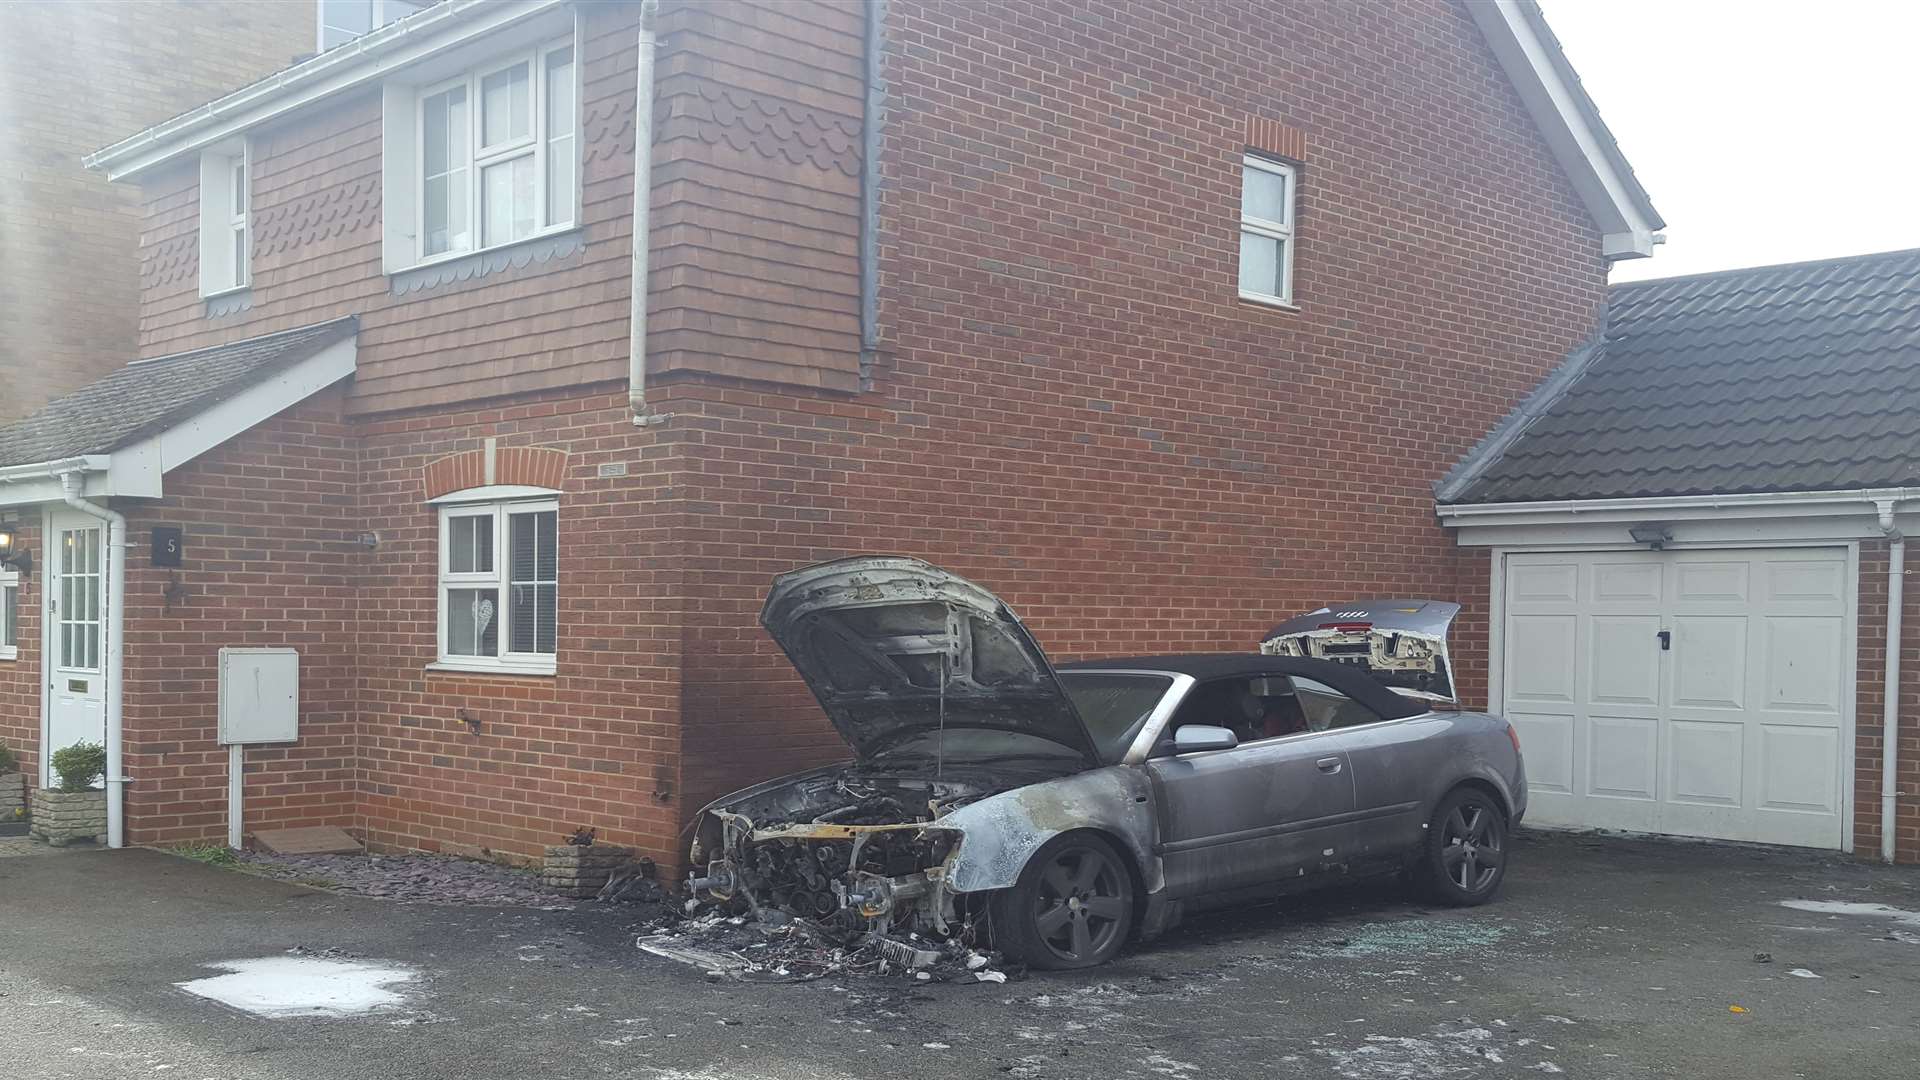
x: 1061, y: 812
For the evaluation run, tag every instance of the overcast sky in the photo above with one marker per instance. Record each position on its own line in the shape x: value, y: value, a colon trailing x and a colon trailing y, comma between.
x: 1766, y: 131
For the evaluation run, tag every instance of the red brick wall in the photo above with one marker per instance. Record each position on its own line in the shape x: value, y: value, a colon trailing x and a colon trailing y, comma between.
x: 1871, y: 680
x: 597, y: 743
x: 20, y: 678
x: 268, y: 561
x: 1078, y: 412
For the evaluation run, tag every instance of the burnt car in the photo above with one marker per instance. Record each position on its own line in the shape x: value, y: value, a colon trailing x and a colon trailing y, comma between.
x: 1062, y: 812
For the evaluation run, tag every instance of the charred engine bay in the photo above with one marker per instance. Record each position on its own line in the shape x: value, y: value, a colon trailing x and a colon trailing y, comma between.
x: 855, y: 849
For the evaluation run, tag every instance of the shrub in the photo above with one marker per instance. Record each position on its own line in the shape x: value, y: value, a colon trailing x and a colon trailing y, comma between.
x: 80, y: 765
x: 7, y: 762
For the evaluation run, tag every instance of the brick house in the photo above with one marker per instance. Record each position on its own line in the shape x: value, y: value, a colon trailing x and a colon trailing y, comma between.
x: 72, y: 77
x: 1160, y: 320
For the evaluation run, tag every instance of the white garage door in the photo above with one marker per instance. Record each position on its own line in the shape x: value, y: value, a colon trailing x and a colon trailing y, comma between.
x: 1695, y: 693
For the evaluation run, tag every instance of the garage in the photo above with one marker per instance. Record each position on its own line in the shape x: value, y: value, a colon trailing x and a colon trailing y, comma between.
x: 1691, y: 693
x: 1700, y: 611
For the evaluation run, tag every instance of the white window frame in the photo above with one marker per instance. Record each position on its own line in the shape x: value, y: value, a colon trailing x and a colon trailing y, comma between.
x: 537, y: 144
x: 1282, y: 230
x: 499, y: 579
x: 226, y: 204
x: 9, y: 615
x: 384, y: 12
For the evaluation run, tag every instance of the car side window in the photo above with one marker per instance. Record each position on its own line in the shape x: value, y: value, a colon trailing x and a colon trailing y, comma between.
x: 1264, y: 707
x: 1327, y: 709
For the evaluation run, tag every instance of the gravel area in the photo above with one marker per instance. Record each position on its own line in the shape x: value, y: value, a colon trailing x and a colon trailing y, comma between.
x: 416, y: 879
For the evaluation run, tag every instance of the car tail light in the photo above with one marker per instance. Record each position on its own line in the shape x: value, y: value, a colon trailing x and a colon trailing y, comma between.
x: 1514, y: 738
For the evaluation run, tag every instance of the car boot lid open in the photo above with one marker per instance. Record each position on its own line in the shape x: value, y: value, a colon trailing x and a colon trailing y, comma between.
x: 1401, y: 643
x: 911, y: 661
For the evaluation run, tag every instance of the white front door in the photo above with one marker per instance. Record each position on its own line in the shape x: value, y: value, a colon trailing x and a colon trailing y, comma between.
x: 1694, y: 693
x: 76, y: 604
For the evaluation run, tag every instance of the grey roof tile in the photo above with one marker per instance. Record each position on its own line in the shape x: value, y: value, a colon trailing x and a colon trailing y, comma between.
x: 148, y: 396
x: 1802, y: 377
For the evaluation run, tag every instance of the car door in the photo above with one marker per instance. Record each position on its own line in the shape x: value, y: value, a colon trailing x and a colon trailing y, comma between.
x: 1257, y: 814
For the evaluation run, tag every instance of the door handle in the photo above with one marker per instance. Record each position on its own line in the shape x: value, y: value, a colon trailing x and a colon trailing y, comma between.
x: 1328, y: 764
x: 1666, y: 639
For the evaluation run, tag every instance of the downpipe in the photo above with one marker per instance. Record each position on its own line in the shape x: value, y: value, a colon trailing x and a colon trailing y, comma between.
x: 116, y: 638
x: 1890, y: 705
x: 642, y: 221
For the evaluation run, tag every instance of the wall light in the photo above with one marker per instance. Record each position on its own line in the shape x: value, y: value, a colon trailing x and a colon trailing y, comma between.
x: 11, y: 554
x: 1654, y: 534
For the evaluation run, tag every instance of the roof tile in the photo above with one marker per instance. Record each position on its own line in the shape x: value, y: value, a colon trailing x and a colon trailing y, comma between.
x: 148, y: 396
x: 1802, y: 377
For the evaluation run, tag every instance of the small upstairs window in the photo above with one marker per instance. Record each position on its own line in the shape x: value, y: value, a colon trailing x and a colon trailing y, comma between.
x: 1266, y: 230
x: 225, y: 248
x: 340, y: 21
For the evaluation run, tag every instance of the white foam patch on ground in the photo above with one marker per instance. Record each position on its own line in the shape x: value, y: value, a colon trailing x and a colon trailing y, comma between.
x: 1841, y: 907
x: 285, y: 987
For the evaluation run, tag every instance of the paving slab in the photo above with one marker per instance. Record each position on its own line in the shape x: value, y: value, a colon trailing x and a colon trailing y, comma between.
x: 307, y: 840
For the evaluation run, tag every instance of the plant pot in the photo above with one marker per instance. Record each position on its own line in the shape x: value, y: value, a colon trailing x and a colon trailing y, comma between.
x: 13, y: 794
x: 61, y: 817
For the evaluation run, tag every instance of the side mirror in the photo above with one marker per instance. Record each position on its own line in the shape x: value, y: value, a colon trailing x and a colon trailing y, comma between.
x: 1196, y: 737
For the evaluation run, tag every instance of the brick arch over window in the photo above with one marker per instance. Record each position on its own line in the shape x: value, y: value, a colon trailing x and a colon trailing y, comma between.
x: 528, y: 466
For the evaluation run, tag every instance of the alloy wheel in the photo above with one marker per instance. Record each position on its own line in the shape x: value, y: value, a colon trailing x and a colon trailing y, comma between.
x: 1473, y: 847
x: 1081, y: 906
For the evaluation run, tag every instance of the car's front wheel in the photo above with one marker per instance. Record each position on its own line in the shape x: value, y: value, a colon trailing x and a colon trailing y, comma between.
x: 1072, y: 907
x: 1464, y: 854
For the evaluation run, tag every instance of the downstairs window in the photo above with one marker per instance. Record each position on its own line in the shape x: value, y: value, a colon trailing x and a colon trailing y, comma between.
x: 499, y: 586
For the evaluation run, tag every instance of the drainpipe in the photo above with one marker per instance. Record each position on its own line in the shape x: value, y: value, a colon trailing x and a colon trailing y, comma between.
x: 116, y: 631
x: 642, y: 221
x: 876, y: 28
x: 1890, y: 710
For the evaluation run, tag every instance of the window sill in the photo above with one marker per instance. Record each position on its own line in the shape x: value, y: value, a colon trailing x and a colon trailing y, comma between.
x: 447, y: 269
x: 517, y: 670
x: 9, y: 652
x: 1268, y: 301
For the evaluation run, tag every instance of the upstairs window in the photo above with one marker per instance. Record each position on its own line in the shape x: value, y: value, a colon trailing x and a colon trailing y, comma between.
x: 340, y: 21
x: 1266, y: 230
x: 225, y: 247
x: 499, y: 585
x: 497, y: 155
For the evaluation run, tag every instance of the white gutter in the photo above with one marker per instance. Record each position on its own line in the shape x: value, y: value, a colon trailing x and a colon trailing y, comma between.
x: 1890, y: 706
x: 642, y: 220
x: 116, y: 638
x: 41, y: 470
x: 1452, y: 514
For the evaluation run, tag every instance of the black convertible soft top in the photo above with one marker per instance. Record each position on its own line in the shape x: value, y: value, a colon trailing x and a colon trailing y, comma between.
x: 1349, y: 680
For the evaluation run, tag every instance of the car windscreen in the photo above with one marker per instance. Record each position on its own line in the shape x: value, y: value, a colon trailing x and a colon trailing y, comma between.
x: 1114, y: 705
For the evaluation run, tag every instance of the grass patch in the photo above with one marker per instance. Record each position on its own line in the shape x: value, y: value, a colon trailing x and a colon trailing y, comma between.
x: 211, y: 854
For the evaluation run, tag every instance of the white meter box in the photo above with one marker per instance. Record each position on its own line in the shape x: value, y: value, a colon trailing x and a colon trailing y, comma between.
x: 259, y: 696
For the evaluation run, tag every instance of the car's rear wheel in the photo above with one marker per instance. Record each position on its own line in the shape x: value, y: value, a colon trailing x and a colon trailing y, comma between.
x: 1463, y: 857
x: 1072, y: 907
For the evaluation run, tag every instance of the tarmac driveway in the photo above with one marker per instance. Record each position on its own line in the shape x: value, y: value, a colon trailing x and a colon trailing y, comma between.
x: 1605, y: 958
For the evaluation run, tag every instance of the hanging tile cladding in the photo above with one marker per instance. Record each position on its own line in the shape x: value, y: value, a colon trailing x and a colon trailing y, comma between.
x: 317, y: 254
x: 756, y: 226
x: 757, y: 148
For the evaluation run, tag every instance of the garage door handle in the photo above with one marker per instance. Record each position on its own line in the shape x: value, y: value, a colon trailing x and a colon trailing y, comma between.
x: 1328, y: 764
x: 1666, y: 640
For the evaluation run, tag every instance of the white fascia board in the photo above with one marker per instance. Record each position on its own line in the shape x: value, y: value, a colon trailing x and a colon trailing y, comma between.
x: 364, y: 61
x: 1626, y: 225
x: 137, y: 468
x: 1759, y: 516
